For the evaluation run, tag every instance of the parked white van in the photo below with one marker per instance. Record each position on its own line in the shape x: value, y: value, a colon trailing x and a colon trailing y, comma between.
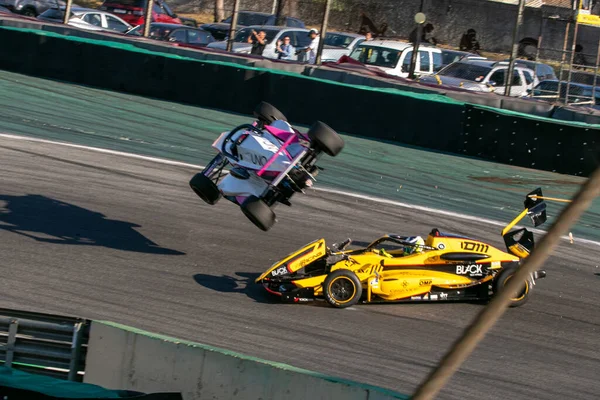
x: 394, y: 57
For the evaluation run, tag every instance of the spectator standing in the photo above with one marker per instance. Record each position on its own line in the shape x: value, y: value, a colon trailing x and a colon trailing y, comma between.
x: 258, y: 41
x: 313, y: 46
x: 285, y: 49
x: 469, y: 42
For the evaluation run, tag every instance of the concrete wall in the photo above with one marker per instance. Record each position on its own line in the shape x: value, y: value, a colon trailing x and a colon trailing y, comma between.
x: 121, y: 357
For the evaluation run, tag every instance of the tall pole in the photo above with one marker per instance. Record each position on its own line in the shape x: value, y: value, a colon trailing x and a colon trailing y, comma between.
x: 67, y: 11
x: 232, y: 27
x: 486, y: 319
x: 148, y: 18
x: 323, y: 32
x: 279, y: 10
x: 420, y: 20
x: 571, y: 57
x: 515, y: 47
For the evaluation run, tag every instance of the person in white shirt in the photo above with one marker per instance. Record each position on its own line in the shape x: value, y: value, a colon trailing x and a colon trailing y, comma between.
x: 313, y: 46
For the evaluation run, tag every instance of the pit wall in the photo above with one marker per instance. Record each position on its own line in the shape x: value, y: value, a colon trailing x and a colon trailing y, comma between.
x: 121, y: 357
x: 444, y: 121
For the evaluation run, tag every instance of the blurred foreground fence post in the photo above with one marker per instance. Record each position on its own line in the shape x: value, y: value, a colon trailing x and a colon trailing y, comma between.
x: 473, y: 334
x: 148, y: 17
x: 515, y: 48
x: 323, y: 32
x: 68, y: 5
x: 233, y: 26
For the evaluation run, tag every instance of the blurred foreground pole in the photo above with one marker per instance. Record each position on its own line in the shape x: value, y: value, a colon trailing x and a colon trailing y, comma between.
x: 420, y: 20
x: 278, y: 11
x: 323, y: 32
x: 494, y: 310
x: 148, y: 17
x: 67, y: 11
x: 233, y: 26
x: 515, y: 48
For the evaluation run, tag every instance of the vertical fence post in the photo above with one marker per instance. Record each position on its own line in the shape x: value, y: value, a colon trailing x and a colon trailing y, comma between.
x: 148, y: 17
x: 515, y: 48
x: 323, y: 32
x: 486, y: 319
x: 68, y: 5
x: 233, y: 26
x: 75, y: 350
x: 11, y: 342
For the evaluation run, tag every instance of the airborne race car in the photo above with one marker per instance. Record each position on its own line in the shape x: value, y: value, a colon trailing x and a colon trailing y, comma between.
x: 270, y: 162
x: 396, y: 268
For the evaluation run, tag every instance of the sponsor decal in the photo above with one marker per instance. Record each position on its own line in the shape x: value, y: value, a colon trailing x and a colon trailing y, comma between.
x: 308, y: 260
x: 425, y: 282
x: 470, y: 269
x: 254, y: 158
x: 280, y: 271
x: 443, y: 296
x: 473, y: 246
x: 496, y: 264
x: 415, y: 297
x: 441, y: 246
x: 405, y: 284
x: 426, y: 297
x: 434, y: 297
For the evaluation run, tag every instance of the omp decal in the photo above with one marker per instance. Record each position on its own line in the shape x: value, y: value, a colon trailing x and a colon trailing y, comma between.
x: 425, y: 282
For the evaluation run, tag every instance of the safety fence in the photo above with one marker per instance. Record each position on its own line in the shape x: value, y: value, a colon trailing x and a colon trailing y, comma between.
x: 44, y: 344
x: 437, y: 119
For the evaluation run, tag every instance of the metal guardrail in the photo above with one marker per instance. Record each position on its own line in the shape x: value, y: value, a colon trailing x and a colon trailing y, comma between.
x: 44, y: 344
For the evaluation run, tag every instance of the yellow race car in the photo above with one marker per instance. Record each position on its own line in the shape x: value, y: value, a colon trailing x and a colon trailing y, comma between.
x: 395, y: 268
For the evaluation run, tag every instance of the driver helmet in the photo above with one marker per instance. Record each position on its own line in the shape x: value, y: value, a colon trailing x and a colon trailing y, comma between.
x: 417, y: 245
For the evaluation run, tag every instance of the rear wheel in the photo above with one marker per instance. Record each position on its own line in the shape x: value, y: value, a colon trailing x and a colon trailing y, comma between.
x: 502, y: 280
x: 268, y: 114
x: 205, y: 188
x: 258, y: 212
x: 325, y: 138
x: 342, y: 288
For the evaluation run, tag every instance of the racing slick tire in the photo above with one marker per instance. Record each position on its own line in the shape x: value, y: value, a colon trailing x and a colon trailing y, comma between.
x: 268, y: 114
x: 258, y: 212
x: 342, y: 288
x: 502, y: 279
x: 205, y: 188
x: 326, y: 138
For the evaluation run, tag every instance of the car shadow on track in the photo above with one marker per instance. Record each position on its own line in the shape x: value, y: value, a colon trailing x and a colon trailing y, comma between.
x: 48, y: 220
x: 243, y: 283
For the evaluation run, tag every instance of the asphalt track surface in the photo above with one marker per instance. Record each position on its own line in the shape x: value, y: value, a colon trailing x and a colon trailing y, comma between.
x: 115, y: 238
x: 124, y: 239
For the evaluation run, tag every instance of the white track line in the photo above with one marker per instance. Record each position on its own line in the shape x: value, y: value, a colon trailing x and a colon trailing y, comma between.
x: 325, y: 190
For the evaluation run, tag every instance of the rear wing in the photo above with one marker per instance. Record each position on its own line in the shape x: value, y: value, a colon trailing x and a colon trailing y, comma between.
x: 520, y: 242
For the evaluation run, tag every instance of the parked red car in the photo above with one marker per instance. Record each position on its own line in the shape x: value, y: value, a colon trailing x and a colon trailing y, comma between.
x: 133, y: 11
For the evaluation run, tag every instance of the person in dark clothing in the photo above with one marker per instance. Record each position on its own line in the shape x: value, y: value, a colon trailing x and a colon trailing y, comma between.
x: 469, y: 42
x: 258, y: 41
x: 427, y: 29
x: 366, y: 25
x: 579, y: 61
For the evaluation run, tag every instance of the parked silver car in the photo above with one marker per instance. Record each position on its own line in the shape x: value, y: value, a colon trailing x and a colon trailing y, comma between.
x: 298, y: 38
x: 338, y: 44
x: 87, y: 18
x: 484, y: 76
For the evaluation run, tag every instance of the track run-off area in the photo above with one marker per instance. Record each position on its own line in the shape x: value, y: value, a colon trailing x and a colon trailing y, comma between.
x: 97, y: 220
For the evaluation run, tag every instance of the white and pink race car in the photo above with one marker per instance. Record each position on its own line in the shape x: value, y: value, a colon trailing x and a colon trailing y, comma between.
x: 270, y: 161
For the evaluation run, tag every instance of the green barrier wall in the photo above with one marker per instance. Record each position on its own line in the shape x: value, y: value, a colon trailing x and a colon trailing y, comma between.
x: 435, y: 121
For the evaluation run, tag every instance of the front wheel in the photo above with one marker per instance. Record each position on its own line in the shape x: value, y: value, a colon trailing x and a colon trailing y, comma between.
x: 205, y: 188
x: 258, y: 212
x: 325, y: 138
x: 342, y: 288
x: 502, y: 280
